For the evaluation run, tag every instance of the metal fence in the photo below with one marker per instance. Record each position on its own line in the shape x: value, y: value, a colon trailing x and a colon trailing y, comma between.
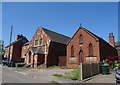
x: 90, y: 69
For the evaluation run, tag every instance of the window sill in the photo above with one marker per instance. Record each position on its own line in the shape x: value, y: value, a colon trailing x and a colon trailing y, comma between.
x: 37, y: 45
x: 80, y: 44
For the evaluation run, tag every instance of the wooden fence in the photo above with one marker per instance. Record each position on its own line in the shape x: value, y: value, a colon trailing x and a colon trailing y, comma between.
x: 88, y: 70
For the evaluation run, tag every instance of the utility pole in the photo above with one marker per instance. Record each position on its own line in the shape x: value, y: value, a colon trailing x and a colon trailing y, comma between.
x: 10, y: 43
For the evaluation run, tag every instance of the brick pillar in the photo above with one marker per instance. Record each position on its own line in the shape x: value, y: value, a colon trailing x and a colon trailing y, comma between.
x: 45, y: 61
x: 35, y: 60
x: 32, y: 60
x: 27, y: 59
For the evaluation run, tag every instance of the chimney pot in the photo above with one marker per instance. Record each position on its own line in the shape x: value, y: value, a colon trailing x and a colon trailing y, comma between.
x: 111, y: 39
x: 19, y: 36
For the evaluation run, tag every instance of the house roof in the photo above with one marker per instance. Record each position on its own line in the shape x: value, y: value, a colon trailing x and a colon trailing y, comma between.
x: 14, y: 42
x: 56, y: 37
x: 26, y: 43
x: 37, y: 50
x: 92, y: 34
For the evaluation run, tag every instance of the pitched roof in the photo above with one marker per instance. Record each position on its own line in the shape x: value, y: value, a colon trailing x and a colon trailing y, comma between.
x: 26, y: 43
x: 92, y: 34
x: 37, y: 50
x: 56, y: 37
x: 14, y: 42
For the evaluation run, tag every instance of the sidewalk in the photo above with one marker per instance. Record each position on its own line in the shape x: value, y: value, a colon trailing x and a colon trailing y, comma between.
x: 46, y: 74
x: 103, y: 78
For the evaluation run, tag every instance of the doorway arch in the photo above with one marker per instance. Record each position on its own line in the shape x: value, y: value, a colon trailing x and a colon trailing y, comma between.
x: 81, y: 56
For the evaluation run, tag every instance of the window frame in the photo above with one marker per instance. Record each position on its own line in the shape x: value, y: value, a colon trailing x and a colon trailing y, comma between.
x: 40, y: 40
x: 90, y: 49
x: 36, y: 39
x: 81, y: 39
x: 72, y: 51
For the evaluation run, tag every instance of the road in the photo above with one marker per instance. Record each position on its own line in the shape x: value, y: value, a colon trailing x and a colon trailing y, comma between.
x: 10, y: 76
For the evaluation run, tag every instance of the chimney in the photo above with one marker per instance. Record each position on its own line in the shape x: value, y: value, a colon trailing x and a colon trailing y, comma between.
x: 19, y: 36
x: 111, y: 39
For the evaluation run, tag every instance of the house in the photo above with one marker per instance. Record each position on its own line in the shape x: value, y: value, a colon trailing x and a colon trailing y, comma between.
x: 117, y: 45
x: 1, y: 46
x: 86, y: 47
x: 45, y: 47
x: 1, y: 50
x: 13, y: 51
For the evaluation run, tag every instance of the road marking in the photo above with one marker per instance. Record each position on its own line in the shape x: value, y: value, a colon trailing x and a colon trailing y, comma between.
x: 21, y: 73
x: 33, y: 76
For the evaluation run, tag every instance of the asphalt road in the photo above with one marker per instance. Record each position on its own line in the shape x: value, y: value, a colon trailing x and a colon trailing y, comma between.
x: 10, y: 76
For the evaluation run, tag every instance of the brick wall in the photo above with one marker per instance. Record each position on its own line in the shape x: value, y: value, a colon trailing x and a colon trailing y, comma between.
x: 62, y: 61
x: 15, y: 50
x: 55, y: 50
x: 87, y: 39
x: 106, y: 50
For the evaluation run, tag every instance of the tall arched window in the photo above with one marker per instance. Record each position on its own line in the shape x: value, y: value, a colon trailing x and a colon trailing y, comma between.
x: 40, y: 40
x: 80, y: 39
x: 72, y: 51
x: 36, y: 41
x: 46, y: 47
x: 90, y: 49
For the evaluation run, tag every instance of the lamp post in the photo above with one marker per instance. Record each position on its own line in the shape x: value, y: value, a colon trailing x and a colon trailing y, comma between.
x: 10, y: 43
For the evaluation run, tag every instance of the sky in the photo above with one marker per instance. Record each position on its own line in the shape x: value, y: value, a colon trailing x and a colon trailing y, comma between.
x: 101, y: 18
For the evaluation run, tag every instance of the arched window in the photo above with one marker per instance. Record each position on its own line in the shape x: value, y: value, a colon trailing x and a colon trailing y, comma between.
x: 40, y: 40
x: 80, y: 39
x: 81, y: 57
x: 90, y: 49
x: 36, y: 42
x: 72, y: 51
x: 46, y: 47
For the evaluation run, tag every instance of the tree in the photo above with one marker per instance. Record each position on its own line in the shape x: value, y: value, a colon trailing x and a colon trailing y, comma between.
x: 1, y: 49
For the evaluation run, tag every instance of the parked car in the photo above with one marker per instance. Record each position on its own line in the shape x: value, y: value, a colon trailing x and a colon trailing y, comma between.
x: 4, y: 62
x: 8, y: 63
x: 117, y: 75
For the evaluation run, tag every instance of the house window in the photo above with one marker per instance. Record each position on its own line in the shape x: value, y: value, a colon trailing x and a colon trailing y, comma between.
x: 40, y: 40
x: 72, y: 51
x: 90, y: 49
x: 36, y: 41
x: 80, y: 39
x: 38, y: 32
x: 24, y: 41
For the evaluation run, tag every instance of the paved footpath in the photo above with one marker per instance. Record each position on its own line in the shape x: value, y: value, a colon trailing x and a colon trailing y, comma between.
x: 103, y: 78
x: 46, y: 74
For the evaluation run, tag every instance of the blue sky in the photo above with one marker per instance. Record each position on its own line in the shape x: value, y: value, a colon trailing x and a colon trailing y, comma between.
x: 100, y: 18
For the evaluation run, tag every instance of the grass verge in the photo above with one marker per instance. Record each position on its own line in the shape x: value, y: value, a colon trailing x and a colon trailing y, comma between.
x: 74, y: 75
